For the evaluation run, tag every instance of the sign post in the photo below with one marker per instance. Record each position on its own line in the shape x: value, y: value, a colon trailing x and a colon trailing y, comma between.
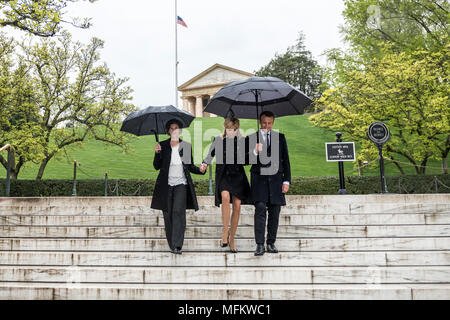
x: 379, y: 134
x: 339, y: 152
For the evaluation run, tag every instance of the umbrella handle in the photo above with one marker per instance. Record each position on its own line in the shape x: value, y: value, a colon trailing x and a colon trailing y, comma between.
x: 257, y: 115
x: 156, y: 136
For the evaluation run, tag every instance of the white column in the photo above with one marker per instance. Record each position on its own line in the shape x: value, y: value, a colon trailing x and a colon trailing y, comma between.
x: 185, y: 104
x: 199, y: 106
x: 192, y: 106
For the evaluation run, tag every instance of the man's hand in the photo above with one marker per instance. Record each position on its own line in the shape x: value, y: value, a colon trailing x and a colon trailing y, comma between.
x: 285, y: 188
x: 158, y: 148
x: 258, y: 148
x: 203, y: 167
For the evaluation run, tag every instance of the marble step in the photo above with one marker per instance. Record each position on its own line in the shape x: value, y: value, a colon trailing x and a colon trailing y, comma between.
x: 348, y: 204
x: 216, y: 231
x: 243, y: 245
x: 230, y: 275
x: 224, y: 259
x: 216, y: 219
x: 290, y: 209
x: 55, y: 291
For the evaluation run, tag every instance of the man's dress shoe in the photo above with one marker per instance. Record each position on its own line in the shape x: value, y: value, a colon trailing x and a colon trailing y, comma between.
x: 271, y: 248
x: 259, y: 250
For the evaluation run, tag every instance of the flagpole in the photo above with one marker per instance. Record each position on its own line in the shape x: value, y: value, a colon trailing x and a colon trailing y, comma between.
x: 176, y: 54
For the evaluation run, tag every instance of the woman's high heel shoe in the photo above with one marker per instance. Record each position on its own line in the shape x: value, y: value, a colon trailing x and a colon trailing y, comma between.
x: 231, y: 249
x: 224, y: 245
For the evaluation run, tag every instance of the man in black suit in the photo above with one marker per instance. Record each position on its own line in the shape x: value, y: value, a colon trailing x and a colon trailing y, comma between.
x: 270, y: 180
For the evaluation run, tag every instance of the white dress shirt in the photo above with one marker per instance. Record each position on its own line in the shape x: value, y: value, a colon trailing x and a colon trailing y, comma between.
x: 265, y: 135
x: 176, y: 172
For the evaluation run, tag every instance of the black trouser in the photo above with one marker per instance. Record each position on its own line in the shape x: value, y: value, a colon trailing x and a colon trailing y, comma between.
x: 260, y: 222
x: 175, y: 216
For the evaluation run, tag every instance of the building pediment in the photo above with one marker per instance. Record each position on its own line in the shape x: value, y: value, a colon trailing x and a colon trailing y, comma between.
x: 215, y: 76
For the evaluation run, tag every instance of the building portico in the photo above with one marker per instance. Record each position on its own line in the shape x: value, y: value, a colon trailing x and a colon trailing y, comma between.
x: 197, y: 92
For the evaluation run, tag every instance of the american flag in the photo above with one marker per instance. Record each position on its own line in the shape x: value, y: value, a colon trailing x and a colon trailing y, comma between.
x: 181, y: 21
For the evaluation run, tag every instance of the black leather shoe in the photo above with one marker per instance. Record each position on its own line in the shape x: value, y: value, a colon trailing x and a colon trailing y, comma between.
x: 271, y: 248
x: 259, y: 250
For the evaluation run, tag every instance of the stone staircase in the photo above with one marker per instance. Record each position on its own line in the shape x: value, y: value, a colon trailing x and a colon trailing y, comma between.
x: 331, y: 247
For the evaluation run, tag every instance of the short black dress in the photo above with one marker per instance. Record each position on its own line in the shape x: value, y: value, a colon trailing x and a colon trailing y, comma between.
x: 233, y: 181
x: 230, y: 177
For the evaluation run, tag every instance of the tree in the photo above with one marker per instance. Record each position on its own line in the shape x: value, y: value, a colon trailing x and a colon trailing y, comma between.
x: 384, y: 36
x: 55, y: 82
x: 38, y: 17
x: 297, y: 67
x: 409, y: 92
x: 406, y: 24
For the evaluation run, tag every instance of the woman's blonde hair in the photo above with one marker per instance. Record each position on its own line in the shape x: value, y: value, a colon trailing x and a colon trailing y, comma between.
x: 231, y: 123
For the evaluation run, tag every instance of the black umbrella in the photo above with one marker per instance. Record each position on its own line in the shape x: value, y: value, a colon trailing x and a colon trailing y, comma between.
x: 152, y: 120
x: 247, y: 99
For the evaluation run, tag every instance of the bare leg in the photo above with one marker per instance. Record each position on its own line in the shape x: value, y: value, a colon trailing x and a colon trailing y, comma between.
x: 225, y: 215
x: 235, y: 220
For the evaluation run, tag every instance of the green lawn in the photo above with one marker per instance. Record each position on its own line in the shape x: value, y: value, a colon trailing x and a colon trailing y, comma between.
x: 306, y: 148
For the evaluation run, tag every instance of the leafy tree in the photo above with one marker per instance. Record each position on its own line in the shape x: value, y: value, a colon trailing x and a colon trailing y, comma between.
x: 406, y: 24
x: 368, y: 81
x: 38, y: 17
x: 409, y: 92
x: 53, y: 83
x: 297, y: 67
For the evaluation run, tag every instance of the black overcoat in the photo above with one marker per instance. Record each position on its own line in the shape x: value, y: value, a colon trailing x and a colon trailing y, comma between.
x: 267, y: 188
x: 161, y: 162
x: 219, y: 145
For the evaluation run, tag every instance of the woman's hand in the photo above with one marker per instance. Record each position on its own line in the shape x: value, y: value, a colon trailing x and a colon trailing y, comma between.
x: 158, y: 148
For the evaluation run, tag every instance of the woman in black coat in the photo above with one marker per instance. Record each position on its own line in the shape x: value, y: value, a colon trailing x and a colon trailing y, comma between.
x: 231, y: 181
x: 174, y: 190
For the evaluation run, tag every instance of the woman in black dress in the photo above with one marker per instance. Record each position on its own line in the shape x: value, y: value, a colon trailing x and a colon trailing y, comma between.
x: 231, y: 181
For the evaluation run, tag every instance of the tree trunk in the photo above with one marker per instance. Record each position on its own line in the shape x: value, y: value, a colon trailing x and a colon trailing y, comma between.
x: 42, y: 168
x: 444, y: 165
x: 444, y: 154
x: 423, y: 166
x: 14, y: 170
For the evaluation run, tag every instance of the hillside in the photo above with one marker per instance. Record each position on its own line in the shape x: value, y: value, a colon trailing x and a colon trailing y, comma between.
x: 305, y: 143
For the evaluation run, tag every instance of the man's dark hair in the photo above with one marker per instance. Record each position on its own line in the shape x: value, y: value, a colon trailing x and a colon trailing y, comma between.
x: 173, y: 121
x: 269, y: 114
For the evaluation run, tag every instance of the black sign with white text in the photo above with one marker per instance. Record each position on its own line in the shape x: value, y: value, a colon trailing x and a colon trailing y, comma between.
x: 378, y: 133
x: 340, y: 151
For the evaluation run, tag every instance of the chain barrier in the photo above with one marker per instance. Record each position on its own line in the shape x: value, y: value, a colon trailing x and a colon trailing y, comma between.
x: 121, y: 172
x: 138, y: 192
x: 435, y: 183
x: 412, y: 165
x: 90, y: 176
x: 441, y: 183
x: 115, y: 190
x: 363, y: 166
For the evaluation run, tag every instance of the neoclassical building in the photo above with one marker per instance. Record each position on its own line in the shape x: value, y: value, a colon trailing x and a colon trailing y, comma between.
x: 197, y: 92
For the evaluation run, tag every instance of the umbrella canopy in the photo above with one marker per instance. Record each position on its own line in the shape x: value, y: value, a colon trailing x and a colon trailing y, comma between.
x: 152, y: 120
x: 248, y: 98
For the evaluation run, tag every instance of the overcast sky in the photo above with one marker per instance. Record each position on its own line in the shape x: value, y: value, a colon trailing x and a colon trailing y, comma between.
x: 243, y: 34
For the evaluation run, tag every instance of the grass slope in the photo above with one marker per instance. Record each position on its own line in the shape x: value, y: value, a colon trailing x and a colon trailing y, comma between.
x: 306, y: 148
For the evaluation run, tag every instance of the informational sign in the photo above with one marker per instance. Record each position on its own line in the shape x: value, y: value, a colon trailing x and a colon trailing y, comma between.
x: 378, y: 133
x: 340, y: 151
